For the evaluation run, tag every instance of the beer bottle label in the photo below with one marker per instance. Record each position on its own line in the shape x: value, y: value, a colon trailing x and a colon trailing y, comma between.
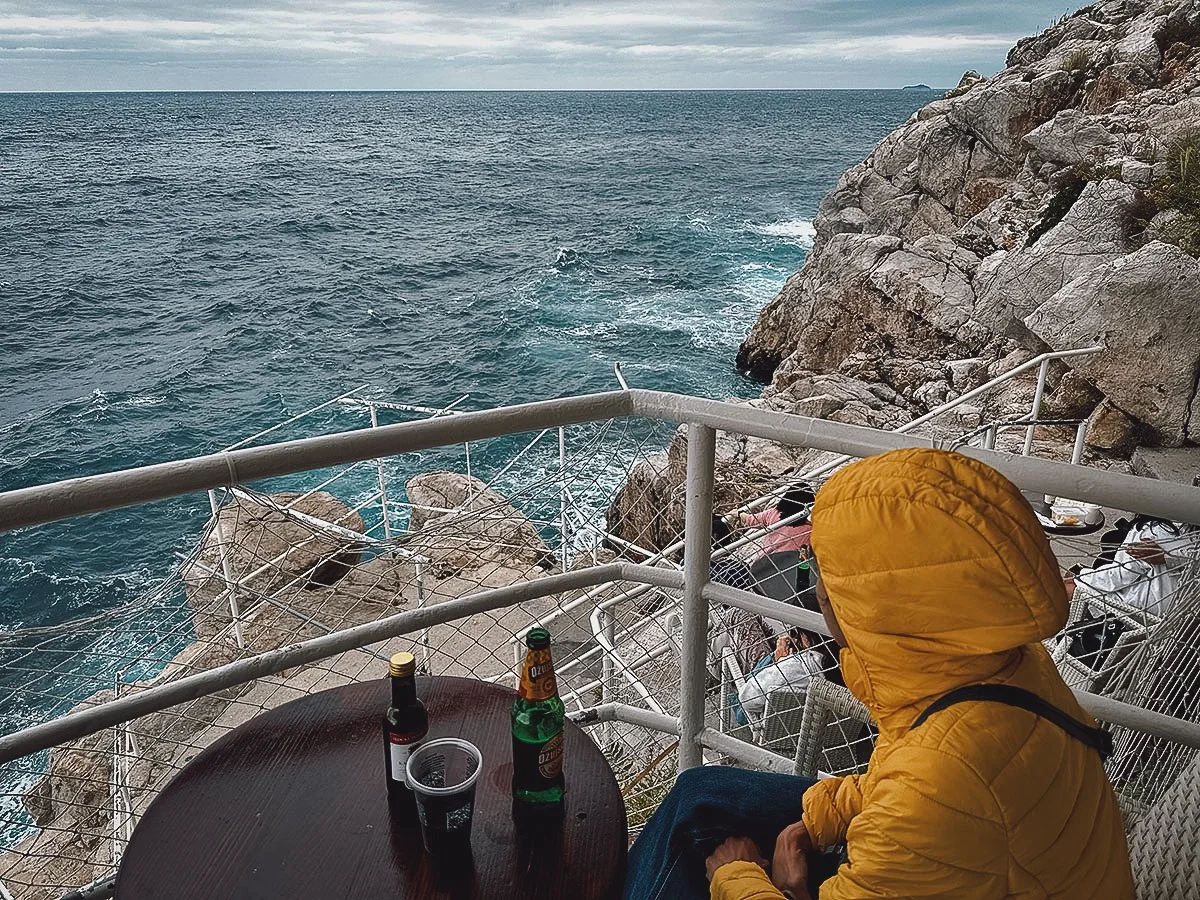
x: 537, y: 766
x: 537, y: 676
x: 550, y: 758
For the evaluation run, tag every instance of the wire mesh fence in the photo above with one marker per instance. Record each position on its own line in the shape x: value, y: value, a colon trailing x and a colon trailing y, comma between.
x: 280, y: 562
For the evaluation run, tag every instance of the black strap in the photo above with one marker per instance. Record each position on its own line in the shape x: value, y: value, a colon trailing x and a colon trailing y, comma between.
x: 1097, y: 738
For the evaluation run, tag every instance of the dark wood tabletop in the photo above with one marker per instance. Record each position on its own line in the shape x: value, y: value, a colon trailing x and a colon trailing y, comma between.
x: 293, y: 805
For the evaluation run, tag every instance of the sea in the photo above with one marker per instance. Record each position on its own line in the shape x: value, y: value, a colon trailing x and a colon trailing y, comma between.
x: 179, y: 271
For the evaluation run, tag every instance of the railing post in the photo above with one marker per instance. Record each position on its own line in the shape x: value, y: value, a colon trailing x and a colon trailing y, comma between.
x: 383, y: 501
x: 608, y: 672
x: 1077, y: 450
x: 424, y: 637
x: 230, y: 582
x: 697, y: 551
x: 1035, y: 412
x: 562, y: 495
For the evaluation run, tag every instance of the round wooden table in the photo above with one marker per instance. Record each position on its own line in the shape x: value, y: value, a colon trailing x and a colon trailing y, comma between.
x: 292, y: 805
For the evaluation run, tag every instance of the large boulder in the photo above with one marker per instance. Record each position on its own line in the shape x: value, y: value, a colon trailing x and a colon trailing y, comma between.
x: 460, y: 524
x: 1002, y: 111
x: 1098, y: 227
x: 1151, y: 360
x: 1073, y: 138
x: 649, y: 508
x: 871, y: 294
x: 836, y: 397
x: 279, y: 541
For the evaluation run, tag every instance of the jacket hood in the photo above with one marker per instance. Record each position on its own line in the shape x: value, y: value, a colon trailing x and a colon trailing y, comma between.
x: 937, y: 571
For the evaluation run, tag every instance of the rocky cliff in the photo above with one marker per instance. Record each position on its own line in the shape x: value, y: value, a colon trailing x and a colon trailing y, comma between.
x: 1052, y: 206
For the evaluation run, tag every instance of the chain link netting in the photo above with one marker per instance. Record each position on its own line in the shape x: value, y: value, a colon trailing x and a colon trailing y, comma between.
x: 279, y: 563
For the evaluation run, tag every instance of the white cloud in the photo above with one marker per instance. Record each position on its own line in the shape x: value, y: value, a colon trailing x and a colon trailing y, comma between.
x: 769, y: 39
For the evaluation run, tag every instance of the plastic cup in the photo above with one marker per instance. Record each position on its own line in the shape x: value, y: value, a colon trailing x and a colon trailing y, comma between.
x: 442, y: 774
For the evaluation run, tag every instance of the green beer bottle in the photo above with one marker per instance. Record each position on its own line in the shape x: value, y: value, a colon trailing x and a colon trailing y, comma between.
x: 537, y: 726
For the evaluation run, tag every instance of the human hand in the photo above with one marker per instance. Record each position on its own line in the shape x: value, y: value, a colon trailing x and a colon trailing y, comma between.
x: 1069, y: 584
x: 783, y: 647
x: 789, y: 866
x: 1147, y: 551
x: 733, y: 849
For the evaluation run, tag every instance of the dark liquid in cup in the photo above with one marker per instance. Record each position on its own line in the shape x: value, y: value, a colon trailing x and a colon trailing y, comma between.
x: 447, y: 822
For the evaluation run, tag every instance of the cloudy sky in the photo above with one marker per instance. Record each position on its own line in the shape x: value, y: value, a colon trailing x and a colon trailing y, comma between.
x: 492, y: 44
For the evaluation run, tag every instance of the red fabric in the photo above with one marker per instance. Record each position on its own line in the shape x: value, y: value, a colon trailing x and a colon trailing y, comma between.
x: 782, y: 540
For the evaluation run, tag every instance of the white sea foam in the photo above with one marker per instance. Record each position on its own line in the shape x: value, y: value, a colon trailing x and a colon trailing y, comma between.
x: 145, y: 400
x: 794, y: 231
x: 567, y: 258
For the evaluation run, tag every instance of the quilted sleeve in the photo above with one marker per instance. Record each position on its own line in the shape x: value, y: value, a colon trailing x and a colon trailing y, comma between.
x: 917, y: 838
x: 740, y: 880
x: 829, y: 805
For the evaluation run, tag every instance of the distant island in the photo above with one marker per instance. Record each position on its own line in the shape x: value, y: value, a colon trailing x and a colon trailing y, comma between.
x: 916, y: 87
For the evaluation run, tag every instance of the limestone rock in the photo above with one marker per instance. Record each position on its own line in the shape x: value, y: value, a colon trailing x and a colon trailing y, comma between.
x: 919, y: 295
x: 1108, y: 428
x: 1043, y: 176
x: 836, y: 397
x: 1137, y: 173
x: 1003, y: 110
x: 646, y: 511
x: 289, y: 549
x: 460, y: 523
x: 1178, y: 464
x: 1073, y: 138
x: 965, y: 374
x: 969, y: 79
x: 1151, y: 361
x: 649, y: 508
x: 1073, y: 397
x: 1113, y: 84
x: 1097, y: 229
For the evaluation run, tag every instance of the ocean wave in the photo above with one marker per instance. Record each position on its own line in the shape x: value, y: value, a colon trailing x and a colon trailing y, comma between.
x: 794, y: 231
x: 568, y: 258
x: 144, y: 400
x: 27, y: 568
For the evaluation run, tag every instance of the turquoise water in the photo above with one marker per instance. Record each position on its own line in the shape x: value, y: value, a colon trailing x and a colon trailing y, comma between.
x: 182, y: 270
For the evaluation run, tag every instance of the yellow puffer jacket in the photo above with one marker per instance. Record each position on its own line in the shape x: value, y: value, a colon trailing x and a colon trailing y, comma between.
x: 940, y: 577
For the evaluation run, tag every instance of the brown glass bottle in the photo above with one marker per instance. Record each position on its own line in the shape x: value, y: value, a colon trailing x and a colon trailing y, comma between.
x: 404, y: 724
x: 537, y: 727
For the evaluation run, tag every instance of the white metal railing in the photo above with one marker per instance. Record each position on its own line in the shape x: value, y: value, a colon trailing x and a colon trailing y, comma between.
x: 602, y: 625
x: 36, y: 505
x: 1042, y: 361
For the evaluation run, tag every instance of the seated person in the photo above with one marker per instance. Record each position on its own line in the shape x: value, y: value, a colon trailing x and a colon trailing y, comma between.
x: 791, y: 537
x: 794, y: 662
x: 730, y: 626
x: 1144, y: 572
x: 1140, y: 570
x: 934, y: 577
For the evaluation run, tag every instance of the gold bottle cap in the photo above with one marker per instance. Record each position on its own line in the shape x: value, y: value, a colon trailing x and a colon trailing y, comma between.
x: 401, y: 664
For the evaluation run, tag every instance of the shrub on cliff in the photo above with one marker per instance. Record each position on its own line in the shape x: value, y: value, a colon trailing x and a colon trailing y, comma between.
x: 1179, y: 190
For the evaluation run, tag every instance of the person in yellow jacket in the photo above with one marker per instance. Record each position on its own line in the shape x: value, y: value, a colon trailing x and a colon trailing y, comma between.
x: 935, y: 578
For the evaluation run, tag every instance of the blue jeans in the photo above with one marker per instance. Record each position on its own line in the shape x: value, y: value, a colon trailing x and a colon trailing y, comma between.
x: 706, y: 806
